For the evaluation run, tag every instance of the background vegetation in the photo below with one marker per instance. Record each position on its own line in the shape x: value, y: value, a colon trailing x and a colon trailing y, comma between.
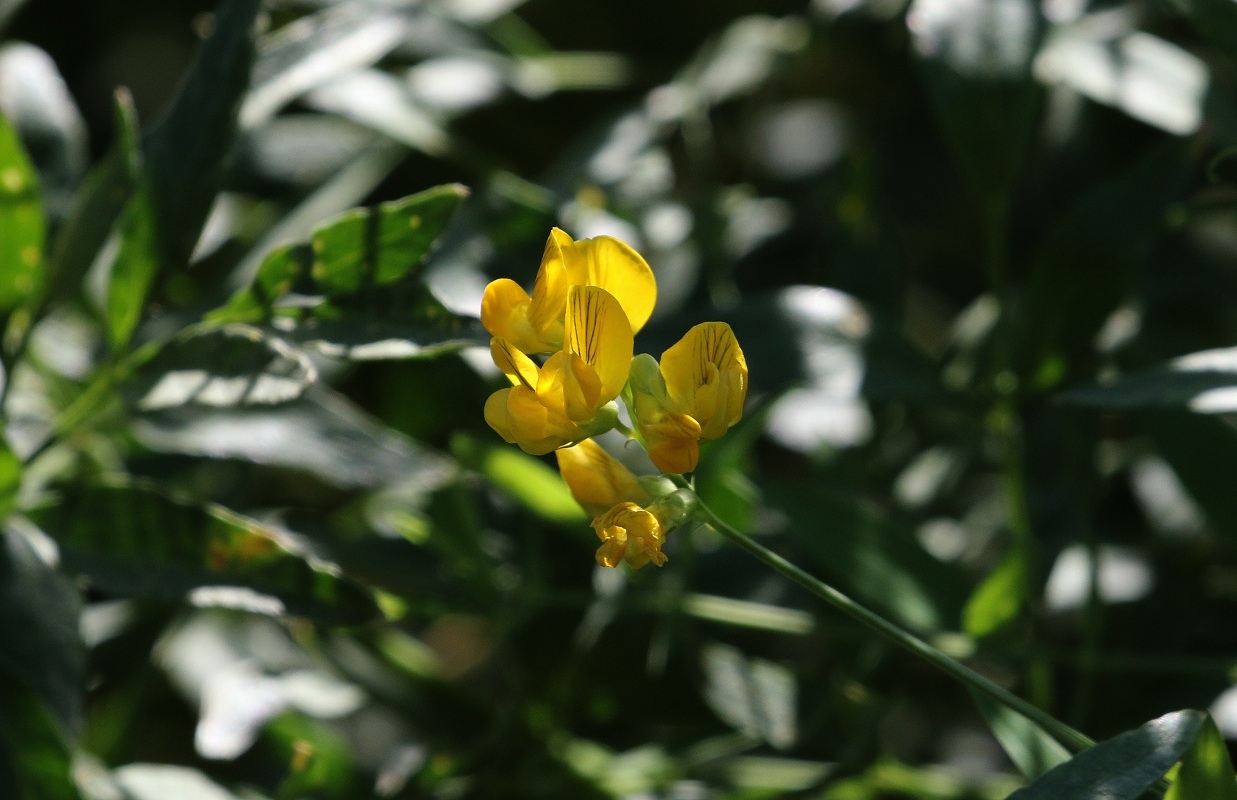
x: 980, y: 254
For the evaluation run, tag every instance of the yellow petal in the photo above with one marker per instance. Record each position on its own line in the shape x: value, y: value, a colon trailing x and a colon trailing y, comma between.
x: 610, y: 264
x: 519, y: 368
x: 597, y: 330
x: 636, y: 530
x: 550, y: 288
x: 504, y: 313
x: 570, y: 386
x: 517, y: 416
x: 597, y: 479
x: 706, y: 376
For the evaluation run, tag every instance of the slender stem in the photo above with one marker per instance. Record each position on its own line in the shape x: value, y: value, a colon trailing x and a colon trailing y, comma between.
x: 1072, y: 739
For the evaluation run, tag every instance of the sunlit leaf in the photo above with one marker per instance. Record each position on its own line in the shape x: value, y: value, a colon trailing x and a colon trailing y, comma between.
x: 133, y: 271
x: 163, y: 781
x: 355, y: 290
x: 321, y: 433
x: 529, y: 480
x: 155, y: 546
x: 754, y: 696
x: 1206, y: 770
x: 1205, y: 382
x: 317, y: 48
x: 21, y: 223
x: 999, y: 598
x: 236, y: 365
x: 1123, y: 767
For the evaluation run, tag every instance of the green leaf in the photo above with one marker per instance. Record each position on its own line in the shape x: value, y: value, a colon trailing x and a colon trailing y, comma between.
x: 133, y: 271
x: 103, y: 196
x: 321, y: 433
x: 997, y: 601
x: 1203, y: 452
x: 133, y: 541
x: 977, y: 62
x: 1032, y: 750
x: 39, y: 641
x: 22, y: 227
x: 754, y: 696
x: 530, y: 482
x: 35, y: 760
x: 868, y: 555
x: 358, y: 290
x: 185, y: 148
x: 1123, y: 767
x: 236, y: 365
x: 1206, y: 771
x: 1205, y: 382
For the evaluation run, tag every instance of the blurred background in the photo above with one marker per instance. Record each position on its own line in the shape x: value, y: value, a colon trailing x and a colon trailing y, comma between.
x: 980, y: 255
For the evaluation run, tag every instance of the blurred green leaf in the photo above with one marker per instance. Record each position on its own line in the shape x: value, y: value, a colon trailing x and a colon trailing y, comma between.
x: 1206, y: 771
x: 164, y: 781
x: 1214, y: 19
x: 530, y: 481
x: 999, y: 598
x: 1089, y: 260
x: 236, y: 365
x: 39, y: 640
x: 185, y: 148
x: 1204, y: 382
x: 1123, y: 767
x: 1032, y: 750
x: 866, y: 554
x: 355, y: 290
x: 38, y: 104
x: 977, y: 62
x: 754, y: 696
x: 35, y: 760
x: 133, y: 541
x: 22, y: 227
x: 133, y: 271
x: 317, y: 48
x: 321, y: 433
x: 100, y: 200
x: 1203, y: 453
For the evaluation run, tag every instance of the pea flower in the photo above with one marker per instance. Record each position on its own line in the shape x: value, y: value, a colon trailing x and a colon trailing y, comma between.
x: 696, y: 392
x: 567, y: 398
x: 537, y: 324
x: 632, y: 525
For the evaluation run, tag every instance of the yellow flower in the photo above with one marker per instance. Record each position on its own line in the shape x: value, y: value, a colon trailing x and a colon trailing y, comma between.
x: 536, y: 324
x: 629, y: 532
x: 557, y: 403
x: 697, y: 392
x: 614, y: 497
x: 597, y: 479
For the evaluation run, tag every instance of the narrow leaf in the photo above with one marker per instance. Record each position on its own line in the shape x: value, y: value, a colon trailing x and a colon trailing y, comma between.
x: 185, y: 149
x: 133, y: 271
x: 134, y: 541
x: 22, y: 227
x: 1032, y: 750
x: 1206, y: 771
x: 997, y: 601
x: 1123, y: 767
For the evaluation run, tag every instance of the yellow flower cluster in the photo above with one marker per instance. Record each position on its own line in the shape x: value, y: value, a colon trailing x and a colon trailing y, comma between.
x: 589, y: 300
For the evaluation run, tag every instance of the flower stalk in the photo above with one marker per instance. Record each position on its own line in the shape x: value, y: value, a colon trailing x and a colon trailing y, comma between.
x: 1072, y: 739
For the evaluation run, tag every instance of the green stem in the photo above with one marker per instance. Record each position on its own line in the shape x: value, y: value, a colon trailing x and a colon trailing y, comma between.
x: 1072, y: 739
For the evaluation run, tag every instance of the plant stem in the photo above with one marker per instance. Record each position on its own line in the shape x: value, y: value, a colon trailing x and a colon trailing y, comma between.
x: 1070, y: 738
